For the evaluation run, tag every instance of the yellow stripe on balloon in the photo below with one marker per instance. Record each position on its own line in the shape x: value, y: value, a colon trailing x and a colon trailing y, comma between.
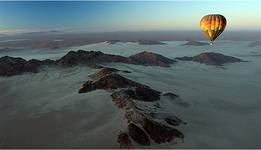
x: 212, y: 25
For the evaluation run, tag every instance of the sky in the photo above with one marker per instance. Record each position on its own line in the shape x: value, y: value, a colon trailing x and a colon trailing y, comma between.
x: 109, y: 16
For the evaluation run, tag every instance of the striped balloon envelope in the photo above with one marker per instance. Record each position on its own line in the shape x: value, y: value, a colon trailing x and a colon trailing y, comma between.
x: 212, y: 26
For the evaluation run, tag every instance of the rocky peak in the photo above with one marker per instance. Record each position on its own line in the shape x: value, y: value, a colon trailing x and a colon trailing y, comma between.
x: 10, y: 66
x: 149, y: 58
x: 88, y: 57
x: 211, y: 58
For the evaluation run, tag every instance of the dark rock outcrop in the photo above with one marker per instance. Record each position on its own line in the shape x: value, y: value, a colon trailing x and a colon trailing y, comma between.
x: 146, y: 94
x: 96, y: 57
x: 108, y: 82
x: 124, y: 141
x: 103, y: 72
x: 195, y: 43
x: 157, y: 131
x: 121, y: 99
x: 13, y: 66
x: 89, y: 58
x: 46, y: 62
x: 114, y: 81
x: 139, y: 102
x: 140, y: 93
x: 107, y: 79
x: 211, y: 58
x: 10, y: 66
x: 151, y: 59
x: 160, y: 133
x: 138, y: 135
x: 169, y: 119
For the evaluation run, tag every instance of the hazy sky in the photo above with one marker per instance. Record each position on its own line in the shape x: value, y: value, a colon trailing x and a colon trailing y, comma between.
x: 117, y: 16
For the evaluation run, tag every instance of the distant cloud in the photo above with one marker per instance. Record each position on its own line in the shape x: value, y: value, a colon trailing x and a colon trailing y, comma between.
x: 12, y: 31
x: 21, y: 31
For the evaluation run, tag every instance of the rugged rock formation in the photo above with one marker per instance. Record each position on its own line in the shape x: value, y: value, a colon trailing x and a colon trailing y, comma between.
x: 109, y: 82
x: 169, y: 119
x: 160, y: 133
x: 146, y: 94
x: 151, y: 59
x: 10, y: 66
x: 138, y: 135
x: 46, y: 62
x: 138, y: 114
x: 114, y: 81
x: 103, y: 72
x: 107, y: 79
x: 139, y: 102
x: 140, y: 93
x: 124, y: 141
x: 89, y: 58
x: 144, y: 42
x: 195, y: 43
x: 96, y: 57
x: 211, y: 58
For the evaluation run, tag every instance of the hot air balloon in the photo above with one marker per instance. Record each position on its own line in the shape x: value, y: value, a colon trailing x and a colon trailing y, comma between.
x: 212, y: 26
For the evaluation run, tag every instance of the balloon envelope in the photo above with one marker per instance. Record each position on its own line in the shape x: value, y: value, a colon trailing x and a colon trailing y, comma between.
x: 212, y: 26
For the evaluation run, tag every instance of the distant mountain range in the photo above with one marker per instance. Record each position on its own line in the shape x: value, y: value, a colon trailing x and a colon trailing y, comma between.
x: 47, y: 39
